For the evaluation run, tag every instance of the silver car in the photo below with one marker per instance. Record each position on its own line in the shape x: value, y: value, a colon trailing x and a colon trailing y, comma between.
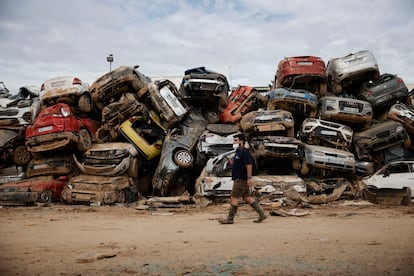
x: 346, y: 110
x: 319, y: 157
x: 351, y: 70
x: 326, y: 133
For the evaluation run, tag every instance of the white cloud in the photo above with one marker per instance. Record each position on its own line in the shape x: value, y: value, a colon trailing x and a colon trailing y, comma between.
x: 43, y: 39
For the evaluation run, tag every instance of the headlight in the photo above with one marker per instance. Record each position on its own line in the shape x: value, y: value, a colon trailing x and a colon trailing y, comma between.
x: 70, y: 186
x: 399, y: 129
x: 65, y: 112
x: 330, y: 101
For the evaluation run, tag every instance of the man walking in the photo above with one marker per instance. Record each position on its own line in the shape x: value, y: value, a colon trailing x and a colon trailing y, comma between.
x: 242, y: 169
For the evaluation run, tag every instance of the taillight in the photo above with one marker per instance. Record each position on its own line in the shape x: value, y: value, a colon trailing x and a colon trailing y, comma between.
x: 369, y: 93
x: 65, y: 111
x: 131, y: 119
x: 400, y: 80
x: 42, y: 87
x: 158, y: 146
x: 76, y: 81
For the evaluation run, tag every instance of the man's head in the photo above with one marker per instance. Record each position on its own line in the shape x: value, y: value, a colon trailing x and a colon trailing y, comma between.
x: 238, y: 141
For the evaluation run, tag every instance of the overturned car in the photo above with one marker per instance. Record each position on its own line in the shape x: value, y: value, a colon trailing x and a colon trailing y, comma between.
x: 176, y: 170
x: 109, y: 87
x: 204, y: 88
x: 301, y: 103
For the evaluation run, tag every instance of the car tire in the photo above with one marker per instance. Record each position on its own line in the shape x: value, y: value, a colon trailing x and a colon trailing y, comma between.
x: 46, y: 196
x: 85, y: 103
x: 21, y: 156
x: 183, y: 158
x: 85, y: 140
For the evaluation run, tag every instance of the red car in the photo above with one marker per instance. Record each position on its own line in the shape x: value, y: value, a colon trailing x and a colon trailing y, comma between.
x: 44, y: 189
x: 241, y: 101
x: 57, y: 127
x: 302, y: 72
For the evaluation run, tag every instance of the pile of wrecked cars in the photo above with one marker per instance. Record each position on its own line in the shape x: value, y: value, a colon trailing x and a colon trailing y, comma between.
x: 318, y: 134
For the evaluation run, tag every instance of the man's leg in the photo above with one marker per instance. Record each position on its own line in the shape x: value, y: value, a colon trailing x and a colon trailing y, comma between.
x: 256, y: 206
x: 232, y: 212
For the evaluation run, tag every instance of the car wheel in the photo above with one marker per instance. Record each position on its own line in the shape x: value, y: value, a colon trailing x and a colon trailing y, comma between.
x: 46, y: 196
x: 85, y: 103
x: 85, y: 140
x: 21, y: 156
x: 183, y: 158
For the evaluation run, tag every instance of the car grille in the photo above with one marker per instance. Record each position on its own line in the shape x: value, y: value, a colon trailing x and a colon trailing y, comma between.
x: 204, y: 86
x: 9, y: 112
x: 383, y: 134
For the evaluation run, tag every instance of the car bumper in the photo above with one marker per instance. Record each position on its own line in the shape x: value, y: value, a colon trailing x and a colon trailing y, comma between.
x: 50, y: 142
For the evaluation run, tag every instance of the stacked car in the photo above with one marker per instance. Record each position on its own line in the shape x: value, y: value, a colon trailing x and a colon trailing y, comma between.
x: 129, y: 136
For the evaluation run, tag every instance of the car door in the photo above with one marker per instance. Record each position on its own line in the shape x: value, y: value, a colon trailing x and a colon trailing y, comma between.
x: 396, y: 176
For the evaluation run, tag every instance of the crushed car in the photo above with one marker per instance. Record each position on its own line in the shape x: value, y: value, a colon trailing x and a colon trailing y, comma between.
x: 4, y: 91
x: 320, y: 161
x: 204, y: 88
x: 346, y: 74
x: 277, y: 149
x: 20, y: 109
x: 404, y: 114
x: 164, y: 98
x: 349, y: 111
x: 176, y: 170
x: 57, y: 165
x: 12, y: 147
x: 268, y: 122
x: 146, y: 132
x: 380, y: 136
x: 301, y: 103
x: 394, y: 182
x: 109, y: 87
x: 215, y: 180
x: 384, y: 92
x: 58, y: 127
x: 325, y: 133
x: 109, y: 174
x: 66, y: 89
x: 302, y: 72
x: 114, y: 114
x: 215, y: 140
x: 42, y: 189
x: 241, y: 101
x: 12, y: 174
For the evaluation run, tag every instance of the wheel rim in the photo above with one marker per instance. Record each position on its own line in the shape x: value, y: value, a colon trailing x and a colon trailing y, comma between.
x: 45, y: 196
x: 22, y: 155
x: 184, y: 157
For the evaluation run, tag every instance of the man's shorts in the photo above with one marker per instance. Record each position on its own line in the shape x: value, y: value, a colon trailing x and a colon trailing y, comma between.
x: 240, y: 188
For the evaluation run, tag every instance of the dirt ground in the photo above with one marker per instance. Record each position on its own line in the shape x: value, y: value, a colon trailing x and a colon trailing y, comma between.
x: 340, y: 238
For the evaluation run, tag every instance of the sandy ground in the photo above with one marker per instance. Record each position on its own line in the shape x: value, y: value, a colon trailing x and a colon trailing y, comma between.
x: 333, y: 239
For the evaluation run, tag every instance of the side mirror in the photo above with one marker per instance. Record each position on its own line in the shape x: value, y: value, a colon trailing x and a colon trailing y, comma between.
x: 386, y: 173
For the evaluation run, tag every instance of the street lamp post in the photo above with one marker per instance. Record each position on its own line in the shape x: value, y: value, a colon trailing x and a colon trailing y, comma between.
x: 110, y: 59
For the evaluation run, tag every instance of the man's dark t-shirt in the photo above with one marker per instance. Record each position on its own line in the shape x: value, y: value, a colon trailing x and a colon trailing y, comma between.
x: 240, y: 160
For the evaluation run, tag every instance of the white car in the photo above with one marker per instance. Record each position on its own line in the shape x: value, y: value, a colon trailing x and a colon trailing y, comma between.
x: 68, y: 89
x: 395, y: 175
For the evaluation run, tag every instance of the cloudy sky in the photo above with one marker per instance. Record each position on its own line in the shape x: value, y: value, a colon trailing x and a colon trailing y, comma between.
x: 242, y: 39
